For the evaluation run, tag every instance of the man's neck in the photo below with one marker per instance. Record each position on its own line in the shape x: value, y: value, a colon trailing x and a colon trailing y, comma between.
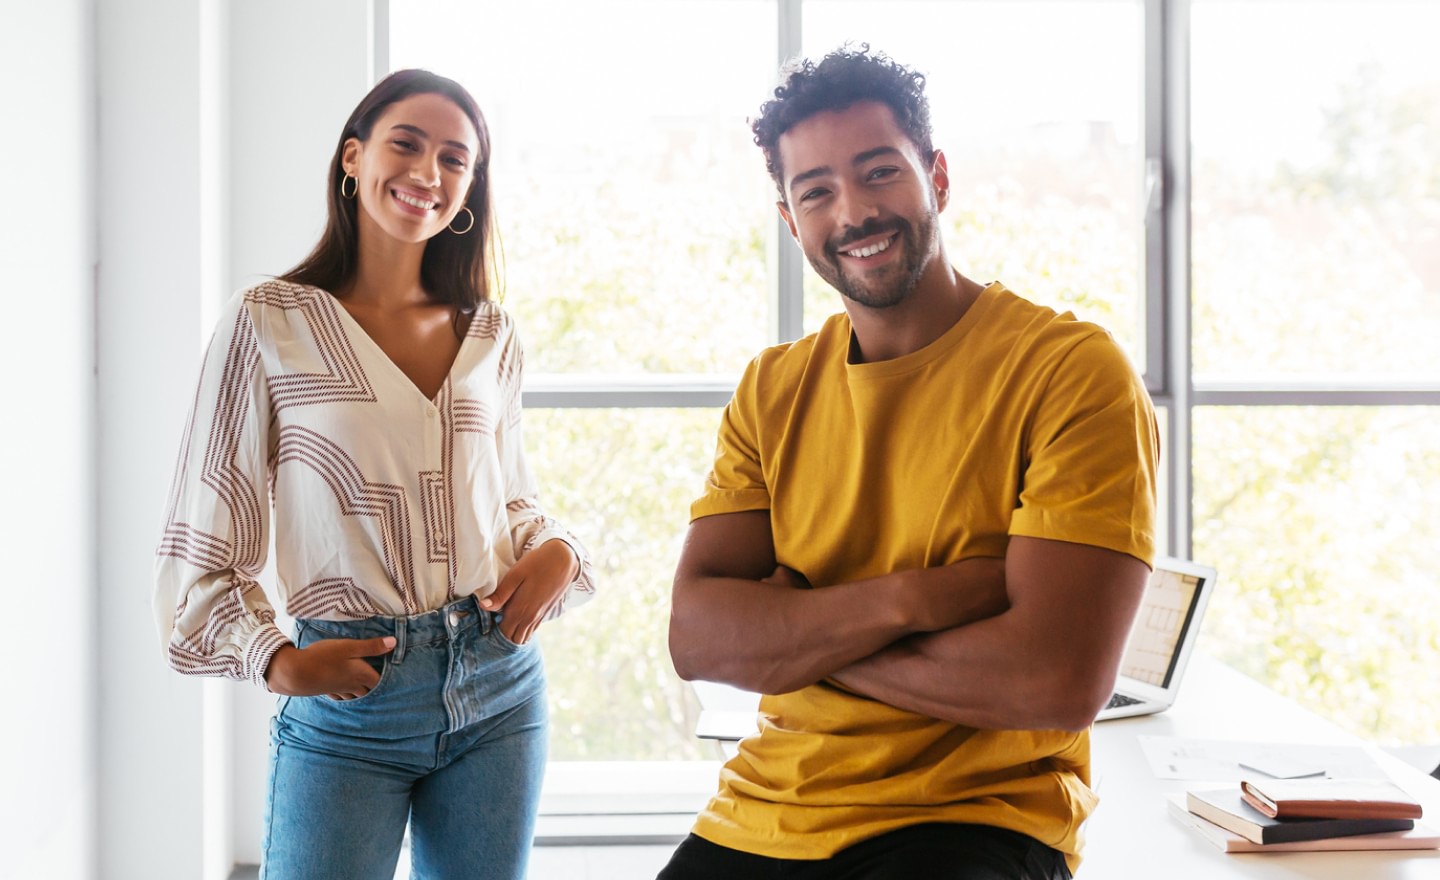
x: 941, y: 297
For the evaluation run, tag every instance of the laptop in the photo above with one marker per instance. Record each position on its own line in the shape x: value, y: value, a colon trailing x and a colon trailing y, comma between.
x: 1156, y: 651
x: 1165, y: 630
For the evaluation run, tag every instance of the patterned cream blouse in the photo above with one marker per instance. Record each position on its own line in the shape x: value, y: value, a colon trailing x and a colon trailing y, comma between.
x: 385, y: 503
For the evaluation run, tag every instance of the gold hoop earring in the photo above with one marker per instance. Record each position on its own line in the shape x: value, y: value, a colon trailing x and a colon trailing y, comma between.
x: 353, y: 190
x: 468, y: 226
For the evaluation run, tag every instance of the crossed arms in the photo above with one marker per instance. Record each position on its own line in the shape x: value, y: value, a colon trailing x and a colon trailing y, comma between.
x: 1032, y: 641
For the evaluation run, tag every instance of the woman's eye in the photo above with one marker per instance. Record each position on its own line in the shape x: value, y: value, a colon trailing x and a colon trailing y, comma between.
x: 404, y: 144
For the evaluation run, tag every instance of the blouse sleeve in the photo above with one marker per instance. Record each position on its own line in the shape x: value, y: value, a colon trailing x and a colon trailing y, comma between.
x: 529, y: 525
x: 212, y: 616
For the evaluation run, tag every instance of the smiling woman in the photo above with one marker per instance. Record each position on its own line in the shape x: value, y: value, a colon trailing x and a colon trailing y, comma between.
x: 374, y: 390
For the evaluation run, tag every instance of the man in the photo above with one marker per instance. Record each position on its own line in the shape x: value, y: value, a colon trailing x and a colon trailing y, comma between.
x: 966, y: 480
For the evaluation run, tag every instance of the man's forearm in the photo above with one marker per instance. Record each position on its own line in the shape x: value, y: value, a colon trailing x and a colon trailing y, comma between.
x: 774, y: 639
x: 1048, y: 662
x: 975, y: 675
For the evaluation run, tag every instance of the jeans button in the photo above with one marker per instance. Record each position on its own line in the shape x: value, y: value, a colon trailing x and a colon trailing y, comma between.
x: 454, y: 619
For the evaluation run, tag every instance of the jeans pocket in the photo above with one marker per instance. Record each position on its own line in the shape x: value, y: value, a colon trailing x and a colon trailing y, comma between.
x: 503, y: 641
x: 308, y: 632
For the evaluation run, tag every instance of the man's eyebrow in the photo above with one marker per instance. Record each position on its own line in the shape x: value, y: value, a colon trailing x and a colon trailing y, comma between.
x: 822, y: 171
x: 420, y: 132
x: 860, y: 159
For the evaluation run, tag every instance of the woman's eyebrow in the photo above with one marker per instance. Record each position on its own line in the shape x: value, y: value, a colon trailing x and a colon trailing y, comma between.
x: 420, y: 132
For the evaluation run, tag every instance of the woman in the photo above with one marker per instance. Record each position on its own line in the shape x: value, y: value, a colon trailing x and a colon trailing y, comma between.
x: 375, y: 391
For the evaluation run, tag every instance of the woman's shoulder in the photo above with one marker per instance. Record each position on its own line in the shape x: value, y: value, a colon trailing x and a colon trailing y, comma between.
x: 281, y: 293
x: 279, y: 309
x: 491, y: 321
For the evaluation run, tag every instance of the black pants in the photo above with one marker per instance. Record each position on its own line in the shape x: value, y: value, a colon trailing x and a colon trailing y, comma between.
x: 937, y: 851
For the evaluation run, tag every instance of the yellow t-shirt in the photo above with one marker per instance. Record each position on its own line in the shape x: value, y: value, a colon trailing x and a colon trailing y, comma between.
x: 1017, y: 421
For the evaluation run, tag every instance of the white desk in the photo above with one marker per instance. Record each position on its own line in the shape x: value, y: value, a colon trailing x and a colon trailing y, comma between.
x: 1132, y: 834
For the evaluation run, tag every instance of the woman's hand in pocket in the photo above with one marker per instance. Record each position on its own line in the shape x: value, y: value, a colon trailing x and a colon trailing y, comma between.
x: 530, y: 591
x: 336, y: 667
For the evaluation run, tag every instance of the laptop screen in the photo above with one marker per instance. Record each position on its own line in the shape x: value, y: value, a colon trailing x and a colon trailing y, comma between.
x: 1166, y: 612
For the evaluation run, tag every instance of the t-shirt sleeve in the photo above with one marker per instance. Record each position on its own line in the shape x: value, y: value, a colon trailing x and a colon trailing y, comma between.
x: 1092, y: 455
x: 736, y: 481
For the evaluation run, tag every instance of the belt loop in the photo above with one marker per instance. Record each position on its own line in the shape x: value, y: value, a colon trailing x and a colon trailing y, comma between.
x: 485, y: 618
x: 398, y: 655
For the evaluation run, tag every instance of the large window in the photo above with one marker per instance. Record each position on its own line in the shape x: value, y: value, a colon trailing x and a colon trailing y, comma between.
x: 1316, y: 266
x: 1280, y: 301
x: 1037, y: 107
x: 639, y: 241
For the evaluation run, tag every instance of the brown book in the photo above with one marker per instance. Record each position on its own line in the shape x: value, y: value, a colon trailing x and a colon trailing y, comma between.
x: 1229, y: 810
x: 1330, y: 799
x: 1419, y: 837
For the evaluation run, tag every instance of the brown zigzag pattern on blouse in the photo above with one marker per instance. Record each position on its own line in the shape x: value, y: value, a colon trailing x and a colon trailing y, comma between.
x: 534, y: 523
x: 535, y: 526
x: 332, y: 596
x: 179, y: 539
x: 486, y: 323
x: 507, y: 374
x: 195, y: 653
x: 474, y: 416
x: 358, y: 496
x: 346, y: 379
x: 446, y: 498
x: 436, y: 508
x: 219, y: 473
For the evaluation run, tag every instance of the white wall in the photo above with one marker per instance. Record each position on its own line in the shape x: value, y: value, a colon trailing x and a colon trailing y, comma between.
x: 47, y: 395
x: 296, y: 70
x: 152, y: 207
x: 215, y: 120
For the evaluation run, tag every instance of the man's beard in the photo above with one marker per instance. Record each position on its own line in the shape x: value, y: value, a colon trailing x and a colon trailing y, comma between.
x: 917, y: 242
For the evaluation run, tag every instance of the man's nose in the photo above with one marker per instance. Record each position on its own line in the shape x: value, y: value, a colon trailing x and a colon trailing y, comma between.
x: 853, y: 207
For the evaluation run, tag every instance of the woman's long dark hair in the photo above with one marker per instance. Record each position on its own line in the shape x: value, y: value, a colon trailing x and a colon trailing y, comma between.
x: 457, y: 270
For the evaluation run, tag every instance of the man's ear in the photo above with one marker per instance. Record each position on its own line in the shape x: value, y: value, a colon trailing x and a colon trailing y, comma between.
x: 940, y: 179
x: 789, y: 220
x: 349, y: 155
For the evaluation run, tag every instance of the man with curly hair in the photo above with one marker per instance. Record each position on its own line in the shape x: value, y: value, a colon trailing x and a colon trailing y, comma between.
x: 924, y: 536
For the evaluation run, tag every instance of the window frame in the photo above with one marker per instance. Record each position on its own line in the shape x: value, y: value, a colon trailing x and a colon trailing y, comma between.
x: 1165, y: 270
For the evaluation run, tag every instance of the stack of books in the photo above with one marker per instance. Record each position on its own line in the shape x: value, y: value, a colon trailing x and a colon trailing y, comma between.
x: 1286, y: 815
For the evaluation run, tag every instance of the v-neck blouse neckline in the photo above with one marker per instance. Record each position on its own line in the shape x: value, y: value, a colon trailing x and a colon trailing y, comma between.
x: 354, y: 328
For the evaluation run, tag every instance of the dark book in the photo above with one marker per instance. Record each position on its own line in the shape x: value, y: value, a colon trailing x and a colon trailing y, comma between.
x: 1227, y: 808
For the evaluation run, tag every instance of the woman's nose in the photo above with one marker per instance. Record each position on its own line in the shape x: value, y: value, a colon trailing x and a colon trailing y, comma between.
x: 425, y: 171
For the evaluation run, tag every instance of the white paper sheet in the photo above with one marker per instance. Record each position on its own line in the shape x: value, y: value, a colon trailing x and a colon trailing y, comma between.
x: 1218, y: 760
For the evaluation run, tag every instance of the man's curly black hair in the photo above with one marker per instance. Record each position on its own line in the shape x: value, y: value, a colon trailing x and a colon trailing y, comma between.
x: 840, y: 79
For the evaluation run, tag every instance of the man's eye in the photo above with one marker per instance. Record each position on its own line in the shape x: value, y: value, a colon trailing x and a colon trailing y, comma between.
x: 812, y: 194
x: 879, y: 173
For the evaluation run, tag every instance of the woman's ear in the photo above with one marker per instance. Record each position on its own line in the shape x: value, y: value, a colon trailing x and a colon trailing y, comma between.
x: 350, y: 155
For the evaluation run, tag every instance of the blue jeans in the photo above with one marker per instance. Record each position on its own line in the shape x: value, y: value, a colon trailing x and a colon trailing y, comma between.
x: 452, y: 739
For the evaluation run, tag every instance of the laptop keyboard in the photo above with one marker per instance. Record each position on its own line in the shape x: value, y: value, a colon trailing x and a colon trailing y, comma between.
x: 1118, y: 700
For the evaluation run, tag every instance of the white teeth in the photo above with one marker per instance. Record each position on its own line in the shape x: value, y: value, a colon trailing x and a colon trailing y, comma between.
x: 414, y: 202
x: 872, y: 250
